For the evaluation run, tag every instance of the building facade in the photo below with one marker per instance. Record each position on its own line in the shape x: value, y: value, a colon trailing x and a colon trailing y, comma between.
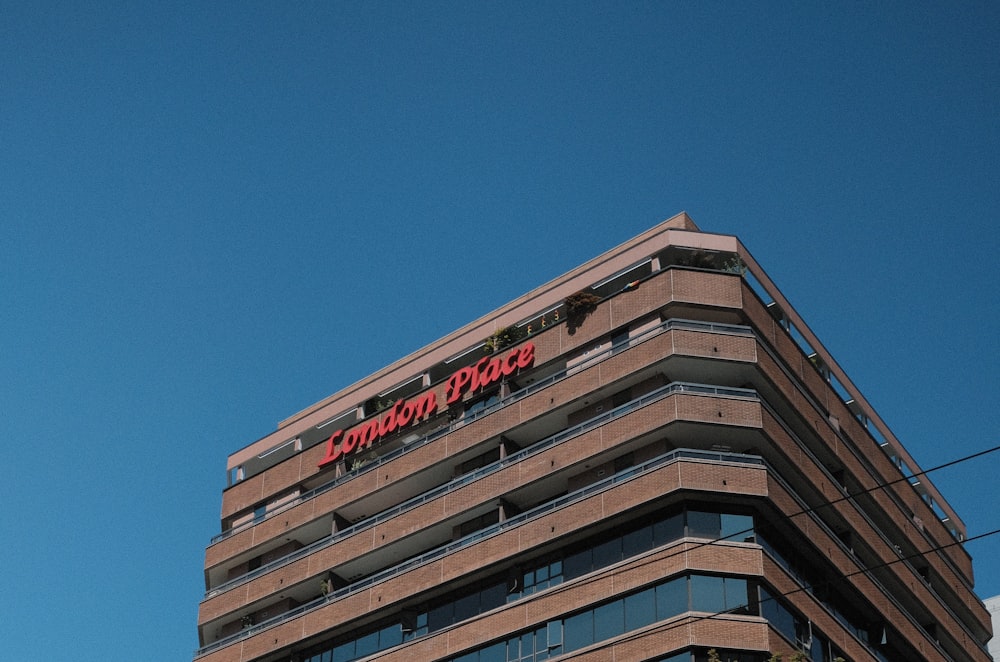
x: 993, y: 605
x: 650, y: 458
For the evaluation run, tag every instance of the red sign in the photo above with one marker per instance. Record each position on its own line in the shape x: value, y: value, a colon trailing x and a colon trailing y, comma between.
x: 486, y: 372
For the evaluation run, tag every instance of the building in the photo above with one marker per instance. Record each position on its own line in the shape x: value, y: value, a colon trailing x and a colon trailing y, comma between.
x: 649, y: 458
x: 993, y: 605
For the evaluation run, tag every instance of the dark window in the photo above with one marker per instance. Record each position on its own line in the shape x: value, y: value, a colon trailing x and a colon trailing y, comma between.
x: 481, y: 404
x: 367, y: 644
x: 777, y: 615
x: 671, y: 598
x: 737, y: 527
x: 619, y: 341
x: 493, y: 596
x: 608, y: 552
x: 494, y: 653
x: 441, y: 617
x: 344, y: 652
x: 390, y: 636
x: 668, y: 530
x: 640, y: 609
x: 623, y: 462
x: 737, y: 597
x: 637, y: 542
x: 578, y: 631
x: 707, y: 594
x: 577, y: 565
x: 704, y: 525
x: 467, y: 607
x: 609, y: 620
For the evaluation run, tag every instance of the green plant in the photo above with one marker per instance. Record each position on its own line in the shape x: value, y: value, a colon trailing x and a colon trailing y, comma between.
x: 775, y: 658
x: 734, y: 265
x: 504, y: 337
x: 839, y: 659
x: 713, y: 655
x: 698, y: 259
x: 578, y: 306
x: 797, y: 656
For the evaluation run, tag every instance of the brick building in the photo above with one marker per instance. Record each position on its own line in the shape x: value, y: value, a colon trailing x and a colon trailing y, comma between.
x: 644, y: 459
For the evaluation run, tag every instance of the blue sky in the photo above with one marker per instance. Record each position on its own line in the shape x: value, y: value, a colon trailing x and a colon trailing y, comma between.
x: 215, y: 214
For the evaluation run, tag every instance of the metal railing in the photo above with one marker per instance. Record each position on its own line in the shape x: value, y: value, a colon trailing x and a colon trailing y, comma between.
x: 434, y: 554
x: 730, y: 329
x: 462, y: 481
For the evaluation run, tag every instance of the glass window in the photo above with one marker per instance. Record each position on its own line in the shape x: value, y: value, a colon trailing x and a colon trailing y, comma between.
x: 608, y: 552
x: 609, y: 620
x: 555, y: 573
x: 440, y: 617
x: 390, y: 636
x: 495, y: 653
x: 514, y: 649
x: 367, y: 644
x: 466, y: 607
x: 480, y: 405
x: 736, y: 593
x: 707, y: 594
x: 703, y: 525
x: 777, y: 615
x: 578, y: 631
x: 737, y: 527
x: 493, y: 596
x: 637, y: 542
x: 344, y: 652
x: 668, y: 530
x: 819, y: 645
x: 640, y: 609
x: 527, y: 645
x: 554, y: 635
x: 541, y: 640
x: 577, y: 565
x: 671, y: 598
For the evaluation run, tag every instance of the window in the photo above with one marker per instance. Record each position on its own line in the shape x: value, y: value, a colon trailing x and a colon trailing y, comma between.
x: 736, y: 527
x: 669, y: 529
x: 619, y: 341
x: 615, y: 618
x: 704, y: 525
x: 640, y: 610
x: 609, y: 620
x: 578, y: 631
x: 480, y: 405
x: 707, y: 594
x: 671, y: 598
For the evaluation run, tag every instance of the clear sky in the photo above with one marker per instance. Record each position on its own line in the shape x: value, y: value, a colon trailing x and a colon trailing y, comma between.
x: 213, y: 215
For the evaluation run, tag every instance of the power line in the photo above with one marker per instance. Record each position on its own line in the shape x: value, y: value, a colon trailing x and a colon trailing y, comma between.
x: 703, y: 543
x: 688, y: 620
x: 839, y: 578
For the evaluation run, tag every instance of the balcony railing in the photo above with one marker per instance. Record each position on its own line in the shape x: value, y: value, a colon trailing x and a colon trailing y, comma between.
x: 731, y: 329
x: 461, y: 481
x: 434, y: 554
